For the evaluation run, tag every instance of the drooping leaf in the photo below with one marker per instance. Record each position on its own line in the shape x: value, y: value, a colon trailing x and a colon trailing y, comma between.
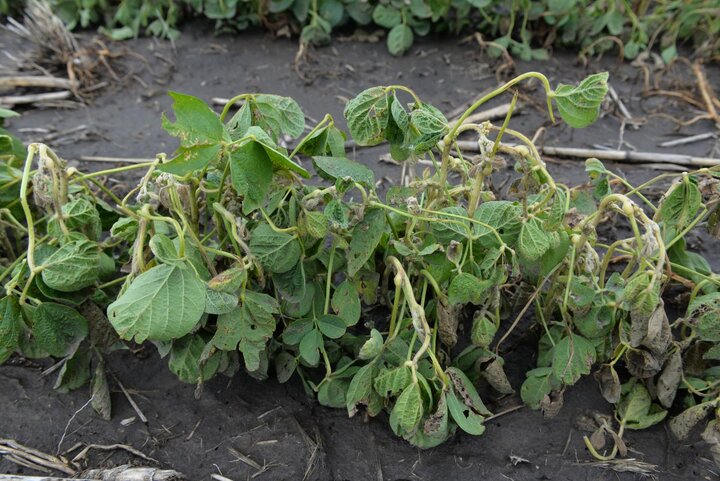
x: 277, y: 251
x: 408, y: 410
x: 72, y: 267
x: 185, y: 360
x: 11, y: 327
x: 279, y: 114
x: 251, y: 174
x: 466, y: 288
x: 59, y: 329
x: 534, y: 240
x: 367, y: 116
x: 365, y: 238
x: 573, y: 357
x: 334, y: 168
x: 161, y: 304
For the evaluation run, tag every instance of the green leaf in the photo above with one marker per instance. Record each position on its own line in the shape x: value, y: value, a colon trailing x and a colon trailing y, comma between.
x: 408, y: 410
x: 277, y: 251
x: 392, y: 381
x: 466, y: 418
x: 310, y: 347
x: 636, y: 409
x: 386, y: 16
x: 161, y: 304
x: 75, y: 372
x: 285, y: 365
x: 372, y: 347
x: 296, y: 330
x: 185, y: 360
x: 680, y: 204
x: 367, y: 116
x: 200, y: 133
x: 340, y: 168
x: 58, y: 329
x: 79, y: 215
x: 483, y: 331
x: 400, y: 39
x: 534, y: 240
x: 11, y: 327
x: 346, y: 303
x: 466, y: 288
x: 248, y: 327
x: 579, y: 106
x: 72, y: 267
x: 361, y: 388
x: 573, y: 356
x: 331, y: 326
x: 314, y: 224
x: 164, y: 250
x: 332, y: 392
x: 537, y: 385
x: 430, y: 125
x: 503, y: 216
x: 279, y: 114
x: 365, y: 238
x: 218, y: 302
x: 251, y: 173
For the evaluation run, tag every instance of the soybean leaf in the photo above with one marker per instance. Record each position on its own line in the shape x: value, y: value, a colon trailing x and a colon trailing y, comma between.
x: 579, y: 105
x: 390, y: 382
x: 408, y: 410
x: 466, y: 418
x: 79, y: 215
x: 367, y: 116
x: 332, y: 392
x: 501, y: 215
x: 218, y: 302
x: 75, y: 372
x: 537, y: 385
x: 466, y: 288
x: 573, y: 356
x: 400, y: 39
x: 285, y: 365
x: 683, y: 423
x: 386, y: 16
x: 365, y: 238
x: 59, y: 329
x: 251, y: 174
x: 277, y: 251
x: 310, y: 347
x: 680, y: 204
x: 331, y: 326
x: 164, y: 250
x: 430, y: 125
x: 248, y: 327
x: 200, y: 133
x: 185, y: 360
x: 340, y: 168
x: 534, y: 240
x: 361, y: 388
x: 636, y: 409
x: 483, y: 331
x: 279, y: 114
x: 161, y: 304
x: 72, y: 267
x: 346, y: 303
x: 11, y: 326
x: 372, y: 347
x: 296, y: 330
x: 101, y: 401
x: 314, y: 224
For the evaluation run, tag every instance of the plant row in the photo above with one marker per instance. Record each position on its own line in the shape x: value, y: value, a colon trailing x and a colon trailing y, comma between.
x: 226, y: 258
x: 525, y: 28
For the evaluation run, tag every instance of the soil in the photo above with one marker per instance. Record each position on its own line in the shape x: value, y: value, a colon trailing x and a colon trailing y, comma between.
x: 279, y: 426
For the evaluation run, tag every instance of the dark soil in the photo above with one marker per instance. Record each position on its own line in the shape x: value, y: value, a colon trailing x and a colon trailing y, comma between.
x: 279, y: 426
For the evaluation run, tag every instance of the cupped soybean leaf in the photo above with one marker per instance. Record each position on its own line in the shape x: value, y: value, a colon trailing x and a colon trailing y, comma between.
x: 314, y: 224
x: 346, y: 303
x: 372, y: 347
x: 218, y: 302
x: 435, y: 428
x: 185, y: 360
x: 285, y: 365
x: 200, y: 133
x: 573, y: 356
x: 579, y: 105
x: 331, y: 326
x: 161, y: 304
x: 680, y: 204
x: 340, y: 168
x: 361, y: 388
x: 534, y: 240
x: 164, y: 250
x: 75, y: 372
x: 466, y: 288
x: 636, y: 409
x: 11, y: 327
x: 58, y: 329
x: 537, y: 385
x: 390, y: 382
x: 228, y: 281
x: 367, y: 116
x: 503, y: 216
x: 280, y: 160
x: 466, y: 418
x: 79, y: 215
x: 483, y: 331
x: 452, y: 223
x: 101, y: 401
x: 239, y: 123
x: 400, y: 39
x: 279, y: 114
x: 251, y: 174
x: 277, y: 251
x: 72, y: 267
x: 466, y: 391
x: 430, y: 124
x: 365, y: 238
x: 248, y: 327
x: 408, y: 410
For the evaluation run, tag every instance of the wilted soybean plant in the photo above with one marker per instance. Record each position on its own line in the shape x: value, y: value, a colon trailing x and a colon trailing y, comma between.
x: 223, y: 257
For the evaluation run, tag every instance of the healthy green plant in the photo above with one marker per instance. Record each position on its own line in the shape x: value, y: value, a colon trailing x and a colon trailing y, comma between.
x: 225, y: 258
x: 526, y: 28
